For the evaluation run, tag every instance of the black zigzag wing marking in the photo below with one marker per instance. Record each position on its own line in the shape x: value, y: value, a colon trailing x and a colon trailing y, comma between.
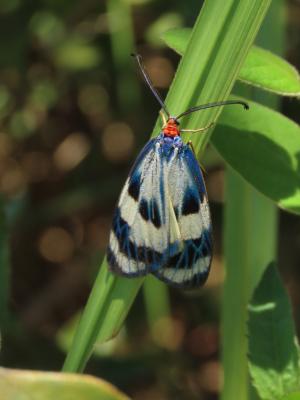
x: 134, y: 185
x: 112, y: 261
x: 191, y: 202
x: 181, y: 269
x: 149, y: 228
x: 133, y: 252
x: 122, y: 253
x: 144, y: 209
x: 189, y: 267
x: 155, y: 215
x: 136, y: 241
x: 135, y: 259
x: 149, y: 211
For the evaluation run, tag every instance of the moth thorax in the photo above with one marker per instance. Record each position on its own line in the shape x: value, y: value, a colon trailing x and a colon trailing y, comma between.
x: 171, y: 129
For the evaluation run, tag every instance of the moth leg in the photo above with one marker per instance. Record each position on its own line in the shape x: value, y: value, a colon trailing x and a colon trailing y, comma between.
x: 199, y: 129
x: 190, y: 143
x: 163, y: 117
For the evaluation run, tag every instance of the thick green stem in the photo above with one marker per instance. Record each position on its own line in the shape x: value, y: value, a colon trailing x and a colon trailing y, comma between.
x: 250, y: 242
x: 157, y: 302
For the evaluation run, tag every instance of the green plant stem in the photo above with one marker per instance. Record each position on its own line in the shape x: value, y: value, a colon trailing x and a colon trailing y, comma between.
x: 157, y: 301
x: 202, y: 76
x: 107, y: 306
x: 250, y: 244
x: 122, y: 45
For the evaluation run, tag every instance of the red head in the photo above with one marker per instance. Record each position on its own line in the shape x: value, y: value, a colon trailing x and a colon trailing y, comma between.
x: 171, y: 129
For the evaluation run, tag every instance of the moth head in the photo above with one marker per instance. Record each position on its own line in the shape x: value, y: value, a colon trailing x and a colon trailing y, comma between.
x: 173, y: 121
x: 171, y: 128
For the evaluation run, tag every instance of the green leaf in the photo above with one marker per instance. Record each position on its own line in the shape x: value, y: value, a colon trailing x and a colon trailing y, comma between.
x: 264, y: 147
x: 273, y: 348
x: 177, y: 39
x: 270, y: 72
x: 261, y: 67
x: 36, y: 385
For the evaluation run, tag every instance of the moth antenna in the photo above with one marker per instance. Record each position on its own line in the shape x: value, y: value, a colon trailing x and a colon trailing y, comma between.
x: 139, y: 60
x: 210, y: 105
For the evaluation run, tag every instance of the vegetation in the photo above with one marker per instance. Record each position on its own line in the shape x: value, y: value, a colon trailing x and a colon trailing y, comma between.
x: 73, y: 116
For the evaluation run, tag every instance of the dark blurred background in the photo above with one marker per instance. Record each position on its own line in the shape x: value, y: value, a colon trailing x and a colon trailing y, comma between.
x: 74, y: 113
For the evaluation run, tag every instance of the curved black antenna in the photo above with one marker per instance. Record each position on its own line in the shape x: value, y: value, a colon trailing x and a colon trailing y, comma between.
x: 210, y: 105
x: 139, y: 60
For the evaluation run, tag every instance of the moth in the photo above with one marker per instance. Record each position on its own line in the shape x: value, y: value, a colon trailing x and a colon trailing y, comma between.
x: 162, y: 222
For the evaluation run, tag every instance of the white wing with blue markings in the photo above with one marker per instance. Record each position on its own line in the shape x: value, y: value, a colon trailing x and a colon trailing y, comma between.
x: 162, y: 222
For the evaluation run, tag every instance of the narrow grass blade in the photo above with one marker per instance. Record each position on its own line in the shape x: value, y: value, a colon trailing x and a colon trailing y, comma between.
x: 261, y: 67
x: 107, y: 307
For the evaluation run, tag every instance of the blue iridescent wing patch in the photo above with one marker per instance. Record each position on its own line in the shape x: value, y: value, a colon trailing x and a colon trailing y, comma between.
x: 162, y: 222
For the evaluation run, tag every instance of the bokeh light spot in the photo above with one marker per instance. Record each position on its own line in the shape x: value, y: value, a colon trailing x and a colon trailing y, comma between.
x: 47, y: 27
x: 203, y: 341
x: 210, y: 377
x: 168, y: 333
x: 117, y: 141
x: 93, y: 100
x: 161, y: 71
x: 56, y: 245
x: 12, y: 180
x: 71, y: 151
